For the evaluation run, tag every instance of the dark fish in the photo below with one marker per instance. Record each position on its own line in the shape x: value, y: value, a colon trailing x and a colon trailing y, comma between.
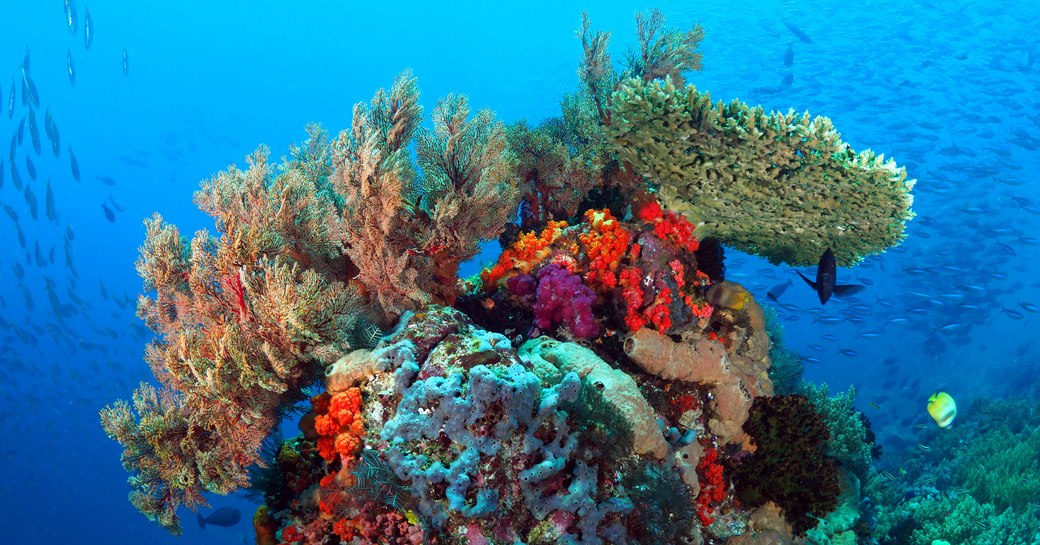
x: 10, y: 102
x: 11, y: 212
x: 48, y: 123
x: 20, y: 133
x: 88, y: 27
x: 126, y: 62
x: 776, y: 291
x: 74, y: 165
x: 107, y: 180
x: 1013, y: 314
x: 787, y: 81
x: 16, y: 178
x: 72, y: 68
x: 70, y: 16
x: 826, y: 277
x: 30, y: 200
x: 789, y: 56
x: 225, y: 516
x: 70, y: 235
x: 51, y: 128
x: 109, y: 214
x: 798, y: 33
x: 118, y: 207
x: 29, y: 93
x: 52, y: 211
x: 1007, y: 249
x: 26, y: 61
x: 30, y: 168
x: 34, y: 131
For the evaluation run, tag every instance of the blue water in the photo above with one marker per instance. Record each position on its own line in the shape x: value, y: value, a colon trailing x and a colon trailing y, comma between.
x: 949, y: 89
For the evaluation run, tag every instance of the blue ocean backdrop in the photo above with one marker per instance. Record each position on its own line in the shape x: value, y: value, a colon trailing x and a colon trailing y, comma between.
x: 169, y: 93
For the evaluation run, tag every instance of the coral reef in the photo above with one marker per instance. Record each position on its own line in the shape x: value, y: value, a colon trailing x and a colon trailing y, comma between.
x: 974, y: 483
x: 851, y: 441
x: 600, y: 382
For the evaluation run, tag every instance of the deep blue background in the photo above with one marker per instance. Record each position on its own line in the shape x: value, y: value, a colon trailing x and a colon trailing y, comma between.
x: 950, y: 89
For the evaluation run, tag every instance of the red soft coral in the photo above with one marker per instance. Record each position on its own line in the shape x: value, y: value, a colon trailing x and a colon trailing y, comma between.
x: 713, y: 485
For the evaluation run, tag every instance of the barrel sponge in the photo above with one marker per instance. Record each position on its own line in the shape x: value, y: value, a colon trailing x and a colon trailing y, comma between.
x: 783, y: 186
x: 618, y: 388
x: 733, y: 379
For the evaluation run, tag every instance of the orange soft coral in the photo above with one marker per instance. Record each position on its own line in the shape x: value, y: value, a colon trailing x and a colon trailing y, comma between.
x: 669, y: 226
x: 606, y: 242
x: 529, y: 250
x: 340, y: 429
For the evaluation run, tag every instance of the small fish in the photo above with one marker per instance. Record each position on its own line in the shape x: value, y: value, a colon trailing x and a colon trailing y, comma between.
x: 52, y: 211
x: 950, y: 328
x: 30, y: 168
x: 869, y: 335
x: 1028, y: 307
x: 826, y: 279
x: 789, y: 56
x: 1007, y: 248
x: 787, y: 81
x: 70, y: 235
x: 20, y: 133
x: 34, y: 131
x: 920, y: 426
x: 848, y: 352
x: 225, y: 516
x: 16, y: 178
x: 1, y: 173
x: 776, y: 291
x: 26, y: 61
x: 728, y: 295
x: 798, y: 33
x: 126, y: 62
x: 30, y: 200
x: 73, y: 164
x: 88, y: 27
x: 10, y: 102
x: 11, y: 212
x: 874, y: 406
x: 107, y: 180
x: 71, y: 67
x: 1013, y: 314
x: 70, y: 16
x: 942, y: 408
x: 109, y: 214
x: 118, y: 207
x: 923, y: 448
x: 29, y: 93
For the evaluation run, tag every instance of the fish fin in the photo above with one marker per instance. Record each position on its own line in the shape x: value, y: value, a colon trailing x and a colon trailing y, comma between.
x: 202, y: 521
x: 807, y: 281
x: 847, y: 289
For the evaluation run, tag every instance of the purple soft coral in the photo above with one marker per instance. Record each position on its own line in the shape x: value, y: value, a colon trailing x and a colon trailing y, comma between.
x: 562, y: 298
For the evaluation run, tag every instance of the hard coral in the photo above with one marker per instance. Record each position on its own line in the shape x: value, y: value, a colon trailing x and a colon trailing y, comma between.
x: 779, y: 185
x: 788, y: 466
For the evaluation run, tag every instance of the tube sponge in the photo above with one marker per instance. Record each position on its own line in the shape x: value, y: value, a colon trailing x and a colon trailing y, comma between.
x: 779, y: 185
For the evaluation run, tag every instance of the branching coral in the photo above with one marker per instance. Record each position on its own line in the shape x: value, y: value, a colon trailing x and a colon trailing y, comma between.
x: 849, y: 441
x: 782, y: 186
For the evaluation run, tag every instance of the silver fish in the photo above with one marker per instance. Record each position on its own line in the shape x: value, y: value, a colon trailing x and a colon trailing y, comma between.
x: 72, y: 69
x: 126, y: 62
x: 70, y: 16
x: 88, y: 27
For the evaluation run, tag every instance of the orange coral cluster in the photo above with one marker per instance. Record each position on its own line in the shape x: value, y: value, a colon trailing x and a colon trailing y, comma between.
x: 713, y: 486
x: 529, y: 250
x: 606, y: 242
x: 339, y: 426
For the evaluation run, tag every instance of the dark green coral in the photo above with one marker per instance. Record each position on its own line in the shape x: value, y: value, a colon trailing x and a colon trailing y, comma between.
x: 788, y: 467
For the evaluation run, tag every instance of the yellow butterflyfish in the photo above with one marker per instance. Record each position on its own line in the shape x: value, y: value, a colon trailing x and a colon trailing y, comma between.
x: 943, y: 409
